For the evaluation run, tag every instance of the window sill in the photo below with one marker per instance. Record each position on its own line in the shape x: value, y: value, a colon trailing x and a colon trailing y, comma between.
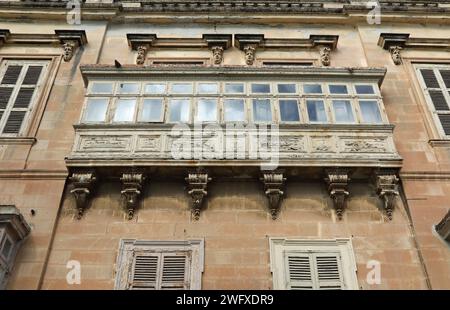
x: 439, y: 142
x: 18, y: 140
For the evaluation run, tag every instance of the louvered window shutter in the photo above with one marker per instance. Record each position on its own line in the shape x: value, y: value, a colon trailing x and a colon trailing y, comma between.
x: 175, y: 269
x: 328, y: 270
x: 145, y: 271
x: 437, y: 85
x: 319, y: 271
x: 299, y: 271
x: 17, y: 90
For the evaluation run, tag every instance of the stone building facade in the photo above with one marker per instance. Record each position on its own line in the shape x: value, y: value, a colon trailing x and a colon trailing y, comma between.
x: 224, y: 144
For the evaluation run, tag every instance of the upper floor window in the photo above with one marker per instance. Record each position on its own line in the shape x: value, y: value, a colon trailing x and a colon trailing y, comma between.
x: 435, y: 82
x: 260, y: 101
x: 20, y: 84
x: 160, y: 265
x: 312, y: 264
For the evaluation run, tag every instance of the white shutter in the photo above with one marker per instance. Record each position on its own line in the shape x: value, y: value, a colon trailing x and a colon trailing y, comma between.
x: 328, y: 271
x: 175, y: 269
x: 299, y: 271
x: 145, y: 271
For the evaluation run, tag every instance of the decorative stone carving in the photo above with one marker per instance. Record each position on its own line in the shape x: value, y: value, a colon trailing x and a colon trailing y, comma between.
x: 250, y: 52
x: 325, y: 57
x: 69, y: 49
x: 395, y: 54
x: 141, y: 54
x: 443, y: 228
x: 217, y: 54
x: 273, y: 185
x: 197, y: 186
x: 337, y: 181
x: 131, y: 191
x: 387, y: 189
x: 83, y: 184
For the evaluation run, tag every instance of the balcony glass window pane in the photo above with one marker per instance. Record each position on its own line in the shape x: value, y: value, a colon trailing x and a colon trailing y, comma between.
x: 102, y: 88
x: 370, y: 112
x: 155, y: 88
x: 182, y: 88
x: 338, y: 89
x: 262, y: 111
x: 151, y: 110
x: 124, y: 110
x: 234, y: 110
x: 234, y: 88
x: 364, y: 89
x: 316, y: 111
x: 343, y: 111
x: 312, y: 89
x: 96, y: 110
x: 128, y: 88
x: 289, y: 110
x: 206, y: 110
x: 179, y: 110
x: 286, y: 88
x: 260, y: 88
x: 207, y: 88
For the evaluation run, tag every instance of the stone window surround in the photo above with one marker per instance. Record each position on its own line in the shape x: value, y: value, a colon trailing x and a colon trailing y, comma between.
x: 128, y: 246
x: 248, y: 97
x: 278, y: 246
x: 434, y: 133
x: 29, y: 131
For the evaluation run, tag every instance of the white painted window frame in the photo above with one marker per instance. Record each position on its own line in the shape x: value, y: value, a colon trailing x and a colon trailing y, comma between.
x: 279, y: 246
x: 128, y: 246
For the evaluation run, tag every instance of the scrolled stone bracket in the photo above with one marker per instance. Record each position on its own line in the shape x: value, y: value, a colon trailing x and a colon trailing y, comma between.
x: 325, y: 44
x: 131, y: 191
x: 337, y: 182
x: 249, y: 43
x: 141, y: 54
x: 218, y: 43
x: 197, y: 189
x: 273, y: 189
x: 395, y: 54
x: 141, y: 43
x: 71, y: 40
x: 83, y: 184
x: 387, y: 189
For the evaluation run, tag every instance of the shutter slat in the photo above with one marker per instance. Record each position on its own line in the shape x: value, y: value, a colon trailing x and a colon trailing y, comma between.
x: 5, y: 94
x: 23, y: 98
x: 14, y: 122
x: 11, y: 75
x: 445, y: 121
x: 144, y: 272
x: 438, y: 99
x: 32, y: 75
x: 429, y: 78
x: 174, y: 271
x: 446, y: 77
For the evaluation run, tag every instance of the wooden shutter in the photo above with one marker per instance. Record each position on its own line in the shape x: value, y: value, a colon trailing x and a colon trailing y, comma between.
x: 5, y: 94
x: 438, y: 100
x: 12, y: 74
x: 299, y: 271
x: 32, y: 75
x: 429, y: 78
x: 445, y: 122
x: 145, y: 271
x: 174, y: 271
x: 445, y: 77
x: 329, y: 275
x: 14, y: 122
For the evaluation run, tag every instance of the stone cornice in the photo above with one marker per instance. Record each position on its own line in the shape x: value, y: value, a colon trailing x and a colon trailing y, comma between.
x: 135, y: 71
x: 11, y: 217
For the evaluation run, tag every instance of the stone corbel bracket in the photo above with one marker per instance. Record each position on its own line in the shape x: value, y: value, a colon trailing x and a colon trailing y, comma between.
x: 395, y: 42
x: 273, y: 188
x: 249, y: 43
x: 337, y: 182
x: 386, y: 183
x: 83, y: 184
x: 10, y: 217
x: 443, y: 228
x: 71, y: 40
x: 141, y: 43
x: 326, y: 44
x: 197, y: 184
x: 131, y: 191
x: 218, y: 43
